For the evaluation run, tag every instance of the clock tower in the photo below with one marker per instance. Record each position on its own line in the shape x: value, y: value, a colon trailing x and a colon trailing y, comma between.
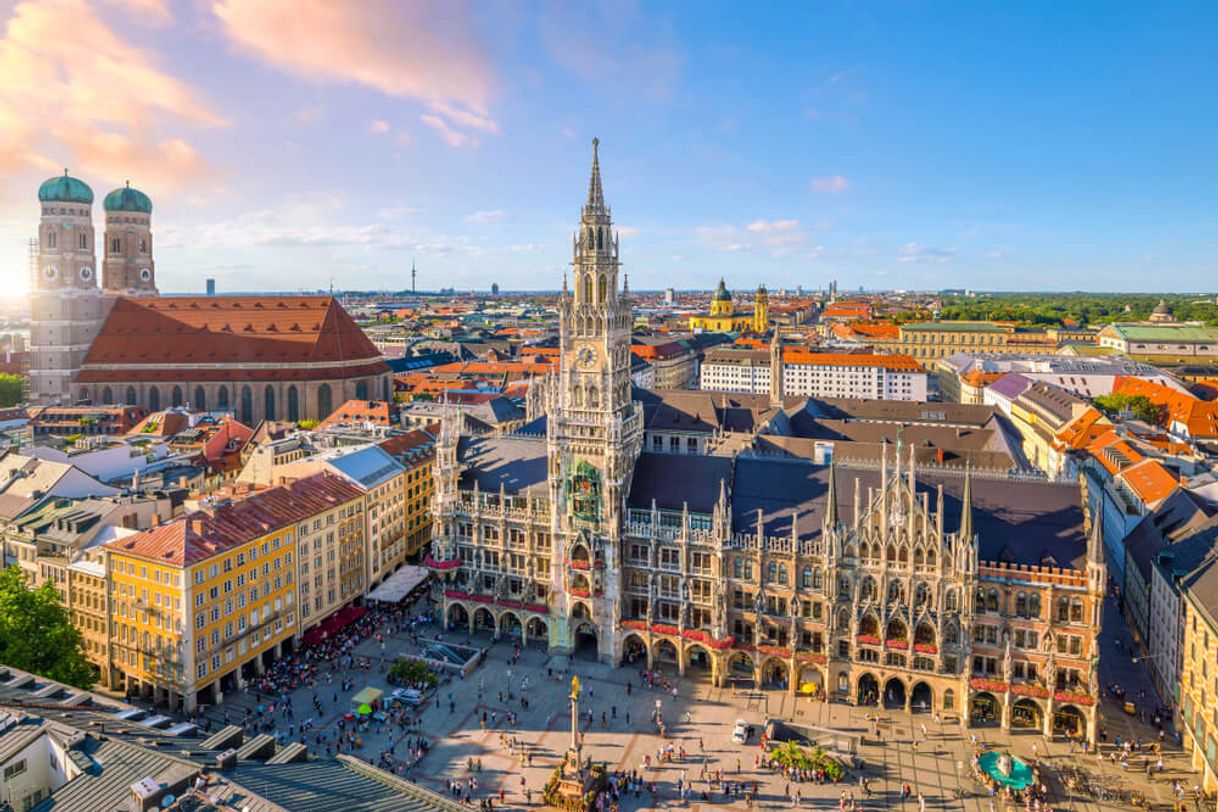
x: 594, y: 435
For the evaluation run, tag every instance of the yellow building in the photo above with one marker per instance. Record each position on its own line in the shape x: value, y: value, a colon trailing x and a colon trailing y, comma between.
x: 415, y: 451
x: 724, y: 318
x: 205, y: 602
x: 1198, y: 699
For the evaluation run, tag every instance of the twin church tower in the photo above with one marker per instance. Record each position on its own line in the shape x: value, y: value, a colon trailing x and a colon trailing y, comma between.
x: 67, y: 307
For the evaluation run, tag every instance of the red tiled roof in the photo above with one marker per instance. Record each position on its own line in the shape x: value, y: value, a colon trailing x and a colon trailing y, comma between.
x: 1199, y: 417
x: 201, y: 535
x: 189, y: 330
x: 377, y: 412
x: 1149, y: 480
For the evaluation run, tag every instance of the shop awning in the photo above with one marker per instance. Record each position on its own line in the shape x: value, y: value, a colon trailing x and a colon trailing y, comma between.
x: 402, y: 584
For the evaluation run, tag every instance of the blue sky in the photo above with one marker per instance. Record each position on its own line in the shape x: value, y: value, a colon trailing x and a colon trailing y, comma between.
x: 288, y: 143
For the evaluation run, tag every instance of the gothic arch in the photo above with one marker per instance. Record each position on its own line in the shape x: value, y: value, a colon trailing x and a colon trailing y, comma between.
x: 176, y: 398
x: 268, y: 403
x: 247, y: 405
x: 154, y: 399
x: 361, y: 390
x: 200, y: 400
x: 293, y: 404
x: 132, y: 397
x: 107, y: 396
x: 222, y: 398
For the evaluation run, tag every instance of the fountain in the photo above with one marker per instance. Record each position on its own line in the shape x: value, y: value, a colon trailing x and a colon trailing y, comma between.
x: 1006, y: 769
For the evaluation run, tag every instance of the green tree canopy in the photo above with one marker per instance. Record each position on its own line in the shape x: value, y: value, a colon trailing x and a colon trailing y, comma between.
x: 1141, y: 406
x: 36, y: 634
x: 10, y: 390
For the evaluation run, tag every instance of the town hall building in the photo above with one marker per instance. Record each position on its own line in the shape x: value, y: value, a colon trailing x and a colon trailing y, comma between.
x: 928, y: 588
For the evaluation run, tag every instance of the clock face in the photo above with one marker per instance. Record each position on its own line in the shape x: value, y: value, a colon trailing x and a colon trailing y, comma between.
x: 145, y: 274
x: 586, y: 356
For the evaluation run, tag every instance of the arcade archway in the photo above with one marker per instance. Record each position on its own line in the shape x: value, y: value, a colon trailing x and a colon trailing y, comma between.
x: 1026, y: 714
x: 921, y: 698
x: 458, y: 618
x: 894, y: 694
x: 868, y: 690
x: 984, y: 709
x: 586, y: 644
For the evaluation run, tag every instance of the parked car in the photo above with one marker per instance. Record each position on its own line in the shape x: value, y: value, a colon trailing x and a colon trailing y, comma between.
x: 740, y: 734
x: 406, y: 696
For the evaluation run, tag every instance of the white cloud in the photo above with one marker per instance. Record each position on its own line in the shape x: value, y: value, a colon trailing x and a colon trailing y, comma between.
x: 629, y: 231
x: 764, y: 226
x: 378, y: 127
x: 913, y: 252
x: 831, y: 184
x: 493, y: 216
x: 454, y: 138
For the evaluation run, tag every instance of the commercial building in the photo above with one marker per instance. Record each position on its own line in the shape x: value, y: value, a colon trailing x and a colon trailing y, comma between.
x: 204, y: 602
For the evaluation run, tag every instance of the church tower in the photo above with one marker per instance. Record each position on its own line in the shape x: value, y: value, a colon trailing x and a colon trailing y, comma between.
x: 129, y: 269
x: 66, y: 308
x: 594, y: 432
x: 761, y: 311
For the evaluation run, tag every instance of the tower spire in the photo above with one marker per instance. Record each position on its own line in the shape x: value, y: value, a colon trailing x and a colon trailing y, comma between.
x: 966, y: 511
x: 831, y: 498
x: 596, y: 195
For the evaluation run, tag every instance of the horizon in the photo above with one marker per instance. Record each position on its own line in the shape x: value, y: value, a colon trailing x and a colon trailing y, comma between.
x: 890, y: 147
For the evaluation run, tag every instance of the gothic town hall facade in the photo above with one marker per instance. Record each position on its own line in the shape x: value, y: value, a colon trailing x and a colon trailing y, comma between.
x: 977, y: 595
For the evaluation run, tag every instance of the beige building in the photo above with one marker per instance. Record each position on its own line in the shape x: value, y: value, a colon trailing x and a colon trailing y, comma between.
x: 330, y: 549
x: 1199, y: 680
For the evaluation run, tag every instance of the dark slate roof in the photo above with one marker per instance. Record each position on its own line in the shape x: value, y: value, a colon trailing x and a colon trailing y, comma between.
x: 1011, y: 385
x: 777, y: 486
x: 676, y: 480
x: 1178, y: 514
x: 900, y: 410
x: 518, y: 463
x: 1191, y: 551
x: 324, y: 785
x: 1018, y: 521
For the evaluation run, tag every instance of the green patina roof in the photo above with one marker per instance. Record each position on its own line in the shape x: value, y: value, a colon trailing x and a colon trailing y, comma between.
x: 721, y: 294
x: 956, y: 326
x: 1166, y: 332
x: 127, y: 199
x: 65, y: 189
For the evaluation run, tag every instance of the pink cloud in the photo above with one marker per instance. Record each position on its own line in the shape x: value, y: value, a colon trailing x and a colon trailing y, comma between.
x: 74, y: 92
x: 413, y: 50
x: 832, y: 184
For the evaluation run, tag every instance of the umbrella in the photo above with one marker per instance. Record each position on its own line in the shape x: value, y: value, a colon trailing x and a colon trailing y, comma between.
x: 364, y: 710
x: 808, y: 688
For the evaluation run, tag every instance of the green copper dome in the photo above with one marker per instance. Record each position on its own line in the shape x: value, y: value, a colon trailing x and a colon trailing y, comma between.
x: 65, y: 189
x: 127, y: 199
x: 721, y: 294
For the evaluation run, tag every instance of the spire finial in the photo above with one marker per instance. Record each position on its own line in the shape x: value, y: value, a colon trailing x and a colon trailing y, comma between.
x: 65, y: 171
x: 596, y: 196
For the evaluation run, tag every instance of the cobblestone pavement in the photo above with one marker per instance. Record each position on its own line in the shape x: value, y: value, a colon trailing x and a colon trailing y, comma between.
x: 935, y: 768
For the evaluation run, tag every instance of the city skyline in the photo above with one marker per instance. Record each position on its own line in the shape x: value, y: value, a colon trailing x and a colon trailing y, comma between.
x: 893, y: 148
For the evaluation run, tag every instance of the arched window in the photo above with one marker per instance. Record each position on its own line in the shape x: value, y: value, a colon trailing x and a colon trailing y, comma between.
x: 818, y: 579
x: 1034, y: 605
x: 84, y: 240
x: 200, y: 401
x: 1076, y: 610
x: 323, y: 401
x: 867, y: 590
x: 177, y: 396
x: 921, y: 595
x: 268, y: 403
x: 951, y: 601
x: 587, y: 289
x: 1021, y: 604
x: 293, y: 404
x: 84, y: 395
x: 132, y: 397
x: 154, y: 399
x: 51, y: 240
x: 107, y: 396
x: 602, y: 294
x: 143, y: 246
x: 247, y: 405
x: 361, y: 390
x: 949, y: 699
x: 116, y: 245
x: 991, y: 601
x: 222, y: 399
x: 1063, y: 609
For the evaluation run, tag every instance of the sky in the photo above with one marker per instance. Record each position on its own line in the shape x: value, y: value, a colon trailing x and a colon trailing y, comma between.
x: 299, y: 144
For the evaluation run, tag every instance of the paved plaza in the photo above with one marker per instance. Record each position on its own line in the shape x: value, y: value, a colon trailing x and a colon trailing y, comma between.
x: 465, y: 722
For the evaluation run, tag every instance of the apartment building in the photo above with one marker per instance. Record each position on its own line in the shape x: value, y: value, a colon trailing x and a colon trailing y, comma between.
x: 204, y: 602
x: 806, y: 373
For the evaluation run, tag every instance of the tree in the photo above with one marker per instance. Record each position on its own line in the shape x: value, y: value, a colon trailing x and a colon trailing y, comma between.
x: 36, y: 634
x: 10, y: 390
x: 1142, y: 407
